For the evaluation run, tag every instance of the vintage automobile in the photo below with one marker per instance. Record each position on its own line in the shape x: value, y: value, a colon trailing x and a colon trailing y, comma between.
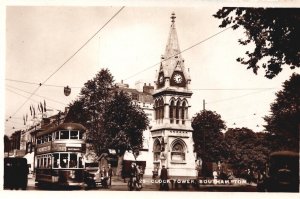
x: 15, y: 173
x: 283, y: 173
x: 92, y: 178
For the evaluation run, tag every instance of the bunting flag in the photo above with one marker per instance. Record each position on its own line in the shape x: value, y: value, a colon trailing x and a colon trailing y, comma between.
x: 39, y: 108
x: 45, y: 110
x: 30, y: 111
x: 33, y: 112
x: 42, y: 108
x: 24, y: 120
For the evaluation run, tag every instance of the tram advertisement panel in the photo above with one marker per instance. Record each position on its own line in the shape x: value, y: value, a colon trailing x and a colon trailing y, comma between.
x: 59, y: 147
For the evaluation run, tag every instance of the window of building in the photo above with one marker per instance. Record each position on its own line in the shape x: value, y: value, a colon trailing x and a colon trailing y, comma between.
x: 177, y: 112
x: 183, y: 112
x: 178, y: 152
x: 156, y: 150
x: 171, y: 113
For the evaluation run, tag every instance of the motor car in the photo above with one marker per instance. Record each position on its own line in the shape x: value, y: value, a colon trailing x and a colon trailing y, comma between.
x: 15, y: 173
x: 92, y: 178
x: 283, y: 172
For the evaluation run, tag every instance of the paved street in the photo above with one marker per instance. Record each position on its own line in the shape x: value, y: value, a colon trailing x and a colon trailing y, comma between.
x: 151, y: 185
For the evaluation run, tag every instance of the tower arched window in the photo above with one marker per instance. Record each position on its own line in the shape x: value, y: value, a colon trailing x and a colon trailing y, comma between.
x: 183, y: 112
x: 171, y: 113
x: 156, y: 150
x: 161, y: 108
x: 178, y: 151
x: 177, y: 112
x: 156, y: 110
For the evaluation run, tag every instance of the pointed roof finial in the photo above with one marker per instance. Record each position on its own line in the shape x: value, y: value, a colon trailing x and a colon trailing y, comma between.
x: 173, y: 17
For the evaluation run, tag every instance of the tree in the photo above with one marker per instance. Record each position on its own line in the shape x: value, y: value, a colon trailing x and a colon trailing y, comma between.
x: 113, y: 122
x: 208, y: 136
x: 284, y: 120
x: 275, y: 33
x: 76, y: 112
x: 124, y: 124
x: 90, y: 107
x: 246, y: 150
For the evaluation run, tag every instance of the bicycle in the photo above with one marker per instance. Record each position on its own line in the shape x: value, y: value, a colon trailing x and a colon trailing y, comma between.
x: 134, y: 183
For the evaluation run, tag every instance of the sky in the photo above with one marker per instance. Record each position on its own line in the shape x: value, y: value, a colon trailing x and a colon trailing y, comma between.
x: 40, y: 39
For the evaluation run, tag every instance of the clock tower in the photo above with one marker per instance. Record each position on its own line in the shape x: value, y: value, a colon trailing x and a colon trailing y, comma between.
x: 172, y: 131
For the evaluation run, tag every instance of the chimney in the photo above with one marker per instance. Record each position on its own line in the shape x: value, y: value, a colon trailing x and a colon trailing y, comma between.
x: 148, y: 89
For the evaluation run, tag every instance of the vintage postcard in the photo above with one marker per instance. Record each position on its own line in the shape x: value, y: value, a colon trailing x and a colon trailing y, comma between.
x: 151, y: 97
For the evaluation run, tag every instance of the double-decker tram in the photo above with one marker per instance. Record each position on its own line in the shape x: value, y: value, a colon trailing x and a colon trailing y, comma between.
x: 59, y: 155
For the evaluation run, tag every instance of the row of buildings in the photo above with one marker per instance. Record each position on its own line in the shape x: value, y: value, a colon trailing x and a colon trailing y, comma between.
x: 168, y: 141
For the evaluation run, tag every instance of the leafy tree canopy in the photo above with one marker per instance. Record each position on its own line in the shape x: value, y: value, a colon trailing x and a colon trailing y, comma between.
x: 124, y: 123
x: 208, y: 137
x: 246, y: 149
x: 284, y: 121
x: 275, y: 33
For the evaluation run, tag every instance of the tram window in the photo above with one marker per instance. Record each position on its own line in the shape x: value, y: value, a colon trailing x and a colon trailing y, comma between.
x: 56, y: 135
x: 73, y: 160
x: 64, y: 134
x: 38, y: 162
x: 45, y: 162
x: 49, y: 137
x: 74, y: 135
x: 80, y: 135
x: 45, y: 138
x: 64, y: 160
x: 49, y: 161
x: 80, y: 162
x: 56, y: 160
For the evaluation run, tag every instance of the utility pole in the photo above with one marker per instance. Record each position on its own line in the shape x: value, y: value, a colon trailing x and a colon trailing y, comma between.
x: 204, y: 104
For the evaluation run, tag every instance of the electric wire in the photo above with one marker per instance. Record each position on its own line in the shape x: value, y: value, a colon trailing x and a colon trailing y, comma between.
x: 37, y: 95
x: 34, y: 83
x: 26, y: 97
x: 68, y: 60
x: 179, y: 52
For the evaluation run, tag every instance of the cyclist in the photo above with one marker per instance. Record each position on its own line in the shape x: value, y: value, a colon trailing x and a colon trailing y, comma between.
x: 133, y: 174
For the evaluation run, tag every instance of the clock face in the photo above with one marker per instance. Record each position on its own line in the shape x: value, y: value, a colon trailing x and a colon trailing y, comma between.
x: 161, y: 79
x: 177, y: 78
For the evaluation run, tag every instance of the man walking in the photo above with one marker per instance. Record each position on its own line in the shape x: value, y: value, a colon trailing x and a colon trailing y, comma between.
x: 164, y: 179
x: 109, y: 173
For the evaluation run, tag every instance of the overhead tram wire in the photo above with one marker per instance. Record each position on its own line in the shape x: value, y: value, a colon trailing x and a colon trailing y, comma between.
x: 194, y: 89
x: 36, y: 95
x: 229, y: 89
x: 68, y: 60
x: 179, y: 52
x: 34, y: 83
x: 232, y: 98
x: 26, y: 97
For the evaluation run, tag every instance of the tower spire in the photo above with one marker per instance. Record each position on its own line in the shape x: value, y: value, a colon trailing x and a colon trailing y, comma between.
x: 172, y: 60
x: 172, y: 47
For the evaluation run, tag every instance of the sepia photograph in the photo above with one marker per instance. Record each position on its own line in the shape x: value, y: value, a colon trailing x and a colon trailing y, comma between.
x: 161, y: 97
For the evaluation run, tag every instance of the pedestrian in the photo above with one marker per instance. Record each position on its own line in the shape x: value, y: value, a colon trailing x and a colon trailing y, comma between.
x: 104, y: 177
x: 132, y: 175
x: 164, y: 179
x: 215, y: 174
x: 110, y: 173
